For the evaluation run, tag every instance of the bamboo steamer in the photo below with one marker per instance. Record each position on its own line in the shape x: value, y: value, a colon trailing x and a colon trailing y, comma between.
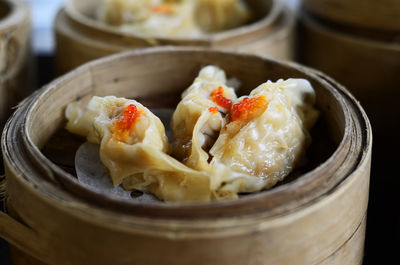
x: 14, y: 55
x: 80, y: 38
x: 371, y: 14
x: 369, y: 67
x: 317, y: 217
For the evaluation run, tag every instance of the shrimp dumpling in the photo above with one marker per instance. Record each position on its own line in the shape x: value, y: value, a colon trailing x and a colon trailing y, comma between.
x: 200, y: 116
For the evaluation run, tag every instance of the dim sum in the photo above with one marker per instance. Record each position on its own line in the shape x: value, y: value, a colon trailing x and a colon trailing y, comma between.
x: 200, y: 115
x: 133, y: 147
x: 222, y: 145
x: 173, y: 18
x: 267, y: 135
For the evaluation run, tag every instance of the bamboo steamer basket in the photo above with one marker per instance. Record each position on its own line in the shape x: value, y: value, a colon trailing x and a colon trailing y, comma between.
x: 14, y: 55
x: 369, y: 67
x: 80, y: 38
x: 381, y: 15
x: 317, y: 217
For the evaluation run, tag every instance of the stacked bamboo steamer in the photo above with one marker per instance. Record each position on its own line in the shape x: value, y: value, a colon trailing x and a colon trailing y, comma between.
x: 81, y: 38
x: 316, y: 217
x: 358, y: 43
x: 14, y: 55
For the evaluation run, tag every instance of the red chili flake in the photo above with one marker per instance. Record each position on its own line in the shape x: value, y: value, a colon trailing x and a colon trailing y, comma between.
x: 213, y: 109
x: 218, y: 98
x: 248, y: 108
x: 125, y: 124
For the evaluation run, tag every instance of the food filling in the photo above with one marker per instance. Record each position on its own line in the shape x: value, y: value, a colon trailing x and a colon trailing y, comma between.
x: 123, y: 127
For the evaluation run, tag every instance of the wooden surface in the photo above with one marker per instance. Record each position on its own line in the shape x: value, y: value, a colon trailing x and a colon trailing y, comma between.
x: 383, y: 15
x: 80, y: 38
x: 274, y: 227
x: 14, y: 55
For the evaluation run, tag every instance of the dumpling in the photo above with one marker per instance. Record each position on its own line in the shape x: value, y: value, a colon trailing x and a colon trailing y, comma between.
x: 199, y: 117
x: 226, y: 145
x: 218, y: 15
x: 173, y: 18
x: 115, y: 123
x: 152, y: 18
x: 168, y: 20
x: 266, y: 137
x: 118, y: 12
x: 133, y: 148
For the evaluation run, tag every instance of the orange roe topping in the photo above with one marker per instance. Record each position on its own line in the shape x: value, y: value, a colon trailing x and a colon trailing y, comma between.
x: 213, y: 109
x: 165, y: 8
x: 248, y: 108
x: 124, y: 125
x: 218, y: 97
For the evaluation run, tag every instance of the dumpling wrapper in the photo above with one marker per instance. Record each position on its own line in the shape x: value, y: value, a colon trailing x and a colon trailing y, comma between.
x: 198, y: 119
x: 138, y: 159
x: 256, y: 152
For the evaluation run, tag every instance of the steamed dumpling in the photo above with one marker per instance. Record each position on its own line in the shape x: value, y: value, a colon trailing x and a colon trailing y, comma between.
x: 116, y: 123
x: 173, y: 18
x: 225, y: 145
x: 200, y: 116
x: 152, y: 18
x: 267, y: 135
x: 133, y: 148
x: 168, y: 20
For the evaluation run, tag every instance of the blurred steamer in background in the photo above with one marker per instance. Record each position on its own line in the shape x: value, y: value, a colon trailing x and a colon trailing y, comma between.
x: 80, y: 37
x: 358, y: 44
x: 15, y: 55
